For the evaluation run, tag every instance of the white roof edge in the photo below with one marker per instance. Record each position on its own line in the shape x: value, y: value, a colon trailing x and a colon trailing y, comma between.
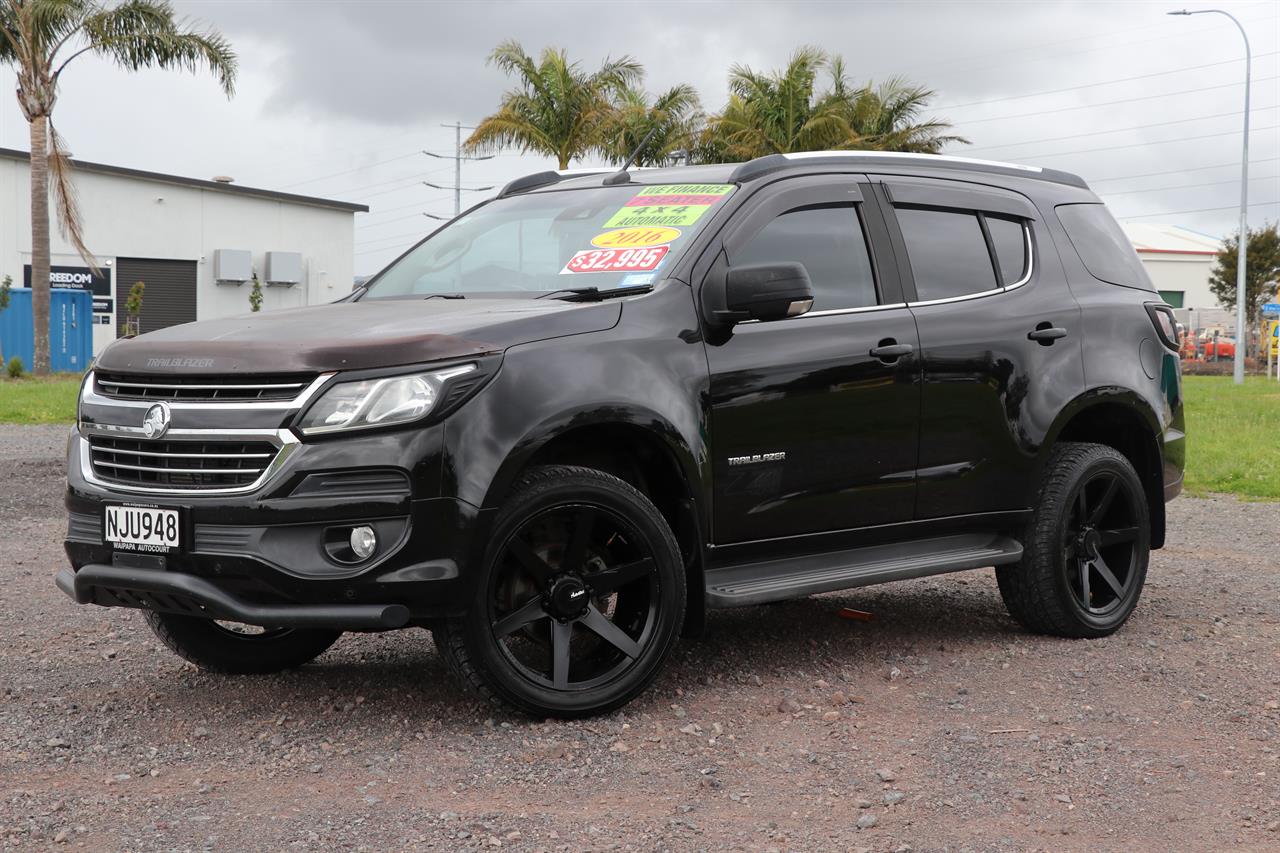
x: 904, y: 155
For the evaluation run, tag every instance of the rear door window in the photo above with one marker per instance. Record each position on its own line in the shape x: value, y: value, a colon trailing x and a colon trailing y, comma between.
x: 828, y: 240
x: 1009, y: 241
x: 947, y: 251
x: 1102, y: 246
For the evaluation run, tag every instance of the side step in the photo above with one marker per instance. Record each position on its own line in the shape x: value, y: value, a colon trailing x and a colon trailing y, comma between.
x: 794, y: 577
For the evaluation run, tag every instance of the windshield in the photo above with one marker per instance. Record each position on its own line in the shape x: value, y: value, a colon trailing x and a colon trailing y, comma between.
x: 606, y: 238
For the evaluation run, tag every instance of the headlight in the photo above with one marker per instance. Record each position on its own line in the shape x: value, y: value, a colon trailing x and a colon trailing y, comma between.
x: 377, y: 402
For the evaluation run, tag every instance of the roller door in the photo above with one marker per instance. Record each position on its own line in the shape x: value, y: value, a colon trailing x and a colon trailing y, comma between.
x: 170, y: 297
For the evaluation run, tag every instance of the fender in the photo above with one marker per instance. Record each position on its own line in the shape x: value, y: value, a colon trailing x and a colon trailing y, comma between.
x: 690, y: 456
x: 1153, y: 443
x: 1098, y: 396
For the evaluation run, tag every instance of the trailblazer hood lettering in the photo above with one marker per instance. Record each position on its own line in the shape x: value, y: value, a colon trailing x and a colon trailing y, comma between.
x: 354, y: 335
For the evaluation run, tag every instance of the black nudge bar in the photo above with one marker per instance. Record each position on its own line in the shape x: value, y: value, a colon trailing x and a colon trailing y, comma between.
x: 173, y: 592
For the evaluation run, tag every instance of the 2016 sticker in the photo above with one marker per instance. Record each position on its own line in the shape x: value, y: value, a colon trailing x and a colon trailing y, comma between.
x: 635, y: 238
x: 615, y: 260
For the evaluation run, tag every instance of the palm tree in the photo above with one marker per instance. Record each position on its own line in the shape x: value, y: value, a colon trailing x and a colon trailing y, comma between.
x: 675, y: 118
x: 39, y: 39
x: 779, y: 112
x: 558, y: 109
x: 785, y: 111
x: 886, y: 118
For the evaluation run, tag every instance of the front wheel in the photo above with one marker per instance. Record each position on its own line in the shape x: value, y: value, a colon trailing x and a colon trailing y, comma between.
x: 580, y: 598
x: 1086, y: 548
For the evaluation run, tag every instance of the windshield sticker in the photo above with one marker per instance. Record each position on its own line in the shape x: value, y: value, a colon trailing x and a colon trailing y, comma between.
x: 635, y: 238
x: 668, y: 205
x: 615, y: 260
x: 637, y: 279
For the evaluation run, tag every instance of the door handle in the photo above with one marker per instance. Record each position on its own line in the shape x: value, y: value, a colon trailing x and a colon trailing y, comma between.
x: 1046, y: 334
x: 890, y: 350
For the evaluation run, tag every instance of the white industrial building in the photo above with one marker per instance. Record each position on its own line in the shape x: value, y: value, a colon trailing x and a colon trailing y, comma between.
x: 196, y: 244
x: 1179, y: 262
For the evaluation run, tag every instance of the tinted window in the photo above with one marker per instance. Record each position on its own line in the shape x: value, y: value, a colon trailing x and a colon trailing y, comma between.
x: 1011, y: 247
x: 830, y: 244
x: 1102, y: 246
x: 948, y: 253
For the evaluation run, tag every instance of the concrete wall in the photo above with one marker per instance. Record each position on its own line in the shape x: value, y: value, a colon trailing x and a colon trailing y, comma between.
x: 143, y: 218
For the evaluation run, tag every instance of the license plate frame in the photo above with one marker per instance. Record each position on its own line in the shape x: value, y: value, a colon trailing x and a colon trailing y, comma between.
x: 143, y: 528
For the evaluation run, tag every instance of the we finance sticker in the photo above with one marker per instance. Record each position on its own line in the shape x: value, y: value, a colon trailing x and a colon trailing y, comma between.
x: 670, y: 205
x: 615, y: 260
x: 635, y: 238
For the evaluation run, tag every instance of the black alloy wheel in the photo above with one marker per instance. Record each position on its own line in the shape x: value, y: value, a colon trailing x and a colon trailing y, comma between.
x: 1086, y: 547
x: 575, y: 597
x: 581, y: 599
x: 1102, y: 543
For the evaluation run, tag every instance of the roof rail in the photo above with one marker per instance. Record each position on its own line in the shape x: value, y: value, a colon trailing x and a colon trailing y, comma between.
x: 543, y: 179
x: 761, y: 166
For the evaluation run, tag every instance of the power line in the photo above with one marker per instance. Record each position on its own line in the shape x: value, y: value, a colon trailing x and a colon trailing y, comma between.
x: 1116, y: 130
x: 1044, y: 57
x: 1149, y: 144
x: 393, y: 240
x: 1121, y: 101
x: 349, y: 171
x: 417, y: 215
x: 1197, y: 210
x: 1095, y: 85
x: 1179, y: 171
x: 457, y: 159
x: 1235, y: 181
x: 420, y: 203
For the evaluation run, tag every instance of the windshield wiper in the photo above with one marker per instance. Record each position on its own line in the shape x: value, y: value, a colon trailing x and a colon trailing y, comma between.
x: 593, y: 294
x: 445, y: 296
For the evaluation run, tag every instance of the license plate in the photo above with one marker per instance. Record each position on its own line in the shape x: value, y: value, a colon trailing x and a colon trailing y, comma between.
x: 142, y: 528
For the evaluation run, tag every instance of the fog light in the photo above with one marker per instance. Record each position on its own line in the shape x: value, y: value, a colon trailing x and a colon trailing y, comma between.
x: 363, y: 542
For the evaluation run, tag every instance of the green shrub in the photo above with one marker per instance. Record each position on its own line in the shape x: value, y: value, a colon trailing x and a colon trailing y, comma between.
x: 15, y: 368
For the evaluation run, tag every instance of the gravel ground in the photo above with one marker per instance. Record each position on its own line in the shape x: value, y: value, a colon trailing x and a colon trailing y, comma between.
x: 938, y: 726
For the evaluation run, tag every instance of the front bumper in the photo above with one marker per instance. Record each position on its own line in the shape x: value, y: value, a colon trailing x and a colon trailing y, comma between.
x: 175, y: 592
x: 260, y: 557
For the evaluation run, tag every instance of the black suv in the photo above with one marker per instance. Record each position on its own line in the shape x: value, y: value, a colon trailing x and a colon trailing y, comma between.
x: 565, y: 425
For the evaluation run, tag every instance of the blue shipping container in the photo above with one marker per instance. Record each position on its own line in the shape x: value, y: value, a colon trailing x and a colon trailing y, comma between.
x: 70, y: 329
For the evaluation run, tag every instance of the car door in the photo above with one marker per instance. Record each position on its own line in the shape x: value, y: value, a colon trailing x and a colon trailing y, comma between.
x: 999, y: 334
x: 814, y: 418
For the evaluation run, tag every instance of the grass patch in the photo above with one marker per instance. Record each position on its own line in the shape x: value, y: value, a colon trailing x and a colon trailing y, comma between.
x: 44, y: 400
x: 1233, y: 436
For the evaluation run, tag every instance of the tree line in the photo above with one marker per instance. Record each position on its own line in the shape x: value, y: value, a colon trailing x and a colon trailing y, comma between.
x: 560, y: 109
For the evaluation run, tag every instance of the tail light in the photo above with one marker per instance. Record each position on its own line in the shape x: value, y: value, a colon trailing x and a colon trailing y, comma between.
x: 1166, y: 324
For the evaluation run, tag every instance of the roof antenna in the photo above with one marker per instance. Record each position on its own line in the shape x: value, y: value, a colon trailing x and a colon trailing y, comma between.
x: 621, y: 176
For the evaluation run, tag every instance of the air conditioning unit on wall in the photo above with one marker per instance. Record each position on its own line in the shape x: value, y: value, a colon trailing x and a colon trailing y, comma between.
x: 232, y: 266
x: 284, y: 268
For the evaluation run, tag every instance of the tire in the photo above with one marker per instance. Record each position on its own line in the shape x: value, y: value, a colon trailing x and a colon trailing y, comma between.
x: 1085, y: 549
x: 216, y: 648
x: 578, y: 602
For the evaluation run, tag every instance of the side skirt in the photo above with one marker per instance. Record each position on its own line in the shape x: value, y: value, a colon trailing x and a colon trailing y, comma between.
x: 794, y: 577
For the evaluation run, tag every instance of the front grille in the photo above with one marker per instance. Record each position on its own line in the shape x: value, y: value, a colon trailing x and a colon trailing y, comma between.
x: 203, y: 389
x: 179, y: 464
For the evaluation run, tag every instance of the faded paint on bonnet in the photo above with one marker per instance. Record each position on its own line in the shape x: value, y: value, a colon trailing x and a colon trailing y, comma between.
x: 354, y: 335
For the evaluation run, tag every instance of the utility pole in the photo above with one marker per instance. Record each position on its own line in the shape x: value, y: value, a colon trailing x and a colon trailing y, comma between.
x: 457, y: 159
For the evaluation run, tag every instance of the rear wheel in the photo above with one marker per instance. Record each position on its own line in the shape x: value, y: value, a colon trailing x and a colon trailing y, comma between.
x: 232, y: 647
x: 1086, y: 548
x: 580, y: 600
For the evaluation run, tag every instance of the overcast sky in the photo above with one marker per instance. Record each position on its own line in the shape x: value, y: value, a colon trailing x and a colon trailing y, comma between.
x: 339, y: 98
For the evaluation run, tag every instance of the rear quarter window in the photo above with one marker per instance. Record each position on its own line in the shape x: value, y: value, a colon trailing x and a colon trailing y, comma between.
x: 1102, y: 246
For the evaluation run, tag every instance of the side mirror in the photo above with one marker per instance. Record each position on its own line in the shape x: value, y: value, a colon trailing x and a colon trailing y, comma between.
x: 767, y: 292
